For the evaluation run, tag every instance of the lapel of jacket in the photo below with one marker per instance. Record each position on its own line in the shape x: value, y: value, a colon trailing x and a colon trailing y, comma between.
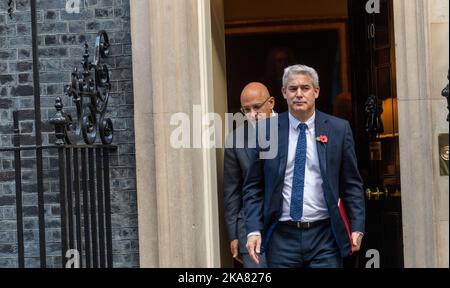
x: 283, y: 134
x: 246, y: 139
x: 321, y: 124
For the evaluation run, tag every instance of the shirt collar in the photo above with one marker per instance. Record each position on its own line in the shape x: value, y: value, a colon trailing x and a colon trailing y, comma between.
x: 294, y: 122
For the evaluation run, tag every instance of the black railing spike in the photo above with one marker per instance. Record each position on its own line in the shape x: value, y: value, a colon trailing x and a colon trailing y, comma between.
x: 11, y: 8
x: 59, y: 119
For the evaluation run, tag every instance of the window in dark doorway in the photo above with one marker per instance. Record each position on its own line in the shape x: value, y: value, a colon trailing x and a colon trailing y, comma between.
x: 263, y: 57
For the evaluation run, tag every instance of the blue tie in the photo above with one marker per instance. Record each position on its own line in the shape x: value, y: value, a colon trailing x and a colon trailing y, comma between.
x: 298, y: 183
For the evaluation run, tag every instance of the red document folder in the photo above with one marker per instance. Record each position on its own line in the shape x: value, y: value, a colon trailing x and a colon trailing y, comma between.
x: 345, y: 218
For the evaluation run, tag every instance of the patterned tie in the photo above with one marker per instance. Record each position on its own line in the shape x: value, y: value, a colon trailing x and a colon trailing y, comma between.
x: 298, y: 183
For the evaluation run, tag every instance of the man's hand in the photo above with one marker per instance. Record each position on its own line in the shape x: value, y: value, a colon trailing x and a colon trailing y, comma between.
x: 254, y: 247
x: 234, y: 246
x: 356, y: 241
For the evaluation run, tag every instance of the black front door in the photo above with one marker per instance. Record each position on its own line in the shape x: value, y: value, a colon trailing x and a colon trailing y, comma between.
x: 376, y: 130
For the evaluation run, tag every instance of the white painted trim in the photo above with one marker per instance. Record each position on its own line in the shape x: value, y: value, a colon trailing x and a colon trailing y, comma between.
x: 145, y: 152
x: 416, y: 132
x: 212, y: 245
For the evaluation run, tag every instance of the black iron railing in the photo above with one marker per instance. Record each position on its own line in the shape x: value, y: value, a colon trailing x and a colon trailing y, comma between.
x: 85, y: 201
x: 85, y: 204
x: 82, y: 169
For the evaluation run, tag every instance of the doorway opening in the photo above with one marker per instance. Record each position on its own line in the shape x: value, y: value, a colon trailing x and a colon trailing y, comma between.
x: 354, y: 54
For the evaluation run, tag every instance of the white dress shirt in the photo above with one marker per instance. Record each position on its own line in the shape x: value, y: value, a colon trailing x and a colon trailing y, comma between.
x: 314, y: 204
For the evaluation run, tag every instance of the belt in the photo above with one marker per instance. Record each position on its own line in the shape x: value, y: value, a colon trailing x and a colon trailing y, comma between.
x: 305, y: 225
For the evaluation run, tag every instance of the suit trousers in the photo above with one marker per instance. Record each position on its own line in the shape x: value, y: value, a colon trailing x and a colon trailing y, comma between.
x: 291, y: 247
x: 249, y: 263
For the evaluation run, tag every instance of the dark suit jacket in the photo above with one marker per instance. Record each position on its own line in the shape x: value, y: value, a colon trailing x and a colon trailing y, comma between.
x: 236, y: 164
x: 264, y: 183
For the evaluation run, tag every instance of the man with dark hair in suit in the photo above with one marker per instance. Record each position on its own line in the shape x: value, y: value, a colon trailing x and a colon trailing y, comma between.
x: 292, y: 200
x: 257, y: 104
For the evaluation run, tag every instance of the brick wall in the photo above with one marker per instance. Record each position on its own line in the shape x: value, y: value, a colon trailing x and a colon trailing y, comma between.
x: 61, y: 38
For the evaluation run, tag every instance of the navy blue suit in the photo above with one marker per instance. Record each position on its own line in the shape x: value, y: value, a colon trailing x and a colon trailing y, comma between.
x: 236, y: 165
x: 264, y: 182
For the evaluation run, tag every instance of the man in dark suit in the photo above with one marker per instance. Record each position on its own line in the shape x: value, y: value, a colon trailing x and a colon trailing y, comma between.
x: 292, y: 200
x: 257, y: 104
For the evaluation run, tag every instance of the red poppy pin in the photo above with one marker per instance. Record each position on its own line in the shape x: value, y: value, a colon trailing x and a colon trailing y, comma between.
x: 322, y: 139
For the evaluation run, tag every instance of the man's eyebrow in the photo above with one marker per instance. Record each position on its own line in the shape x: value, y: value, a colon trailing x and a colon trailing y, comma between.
x: 301, y: 85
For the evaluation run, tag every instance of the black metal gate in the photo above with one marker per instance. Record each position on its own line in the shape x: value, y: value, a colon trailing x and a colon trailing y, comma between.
x: 80, y: 174
x: 84, y: 195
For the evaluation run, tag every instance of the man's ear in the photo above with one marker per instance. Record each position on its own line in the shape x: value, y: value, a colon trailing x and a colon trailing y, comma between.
x: 317, y: 91
x: 272, y: 101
